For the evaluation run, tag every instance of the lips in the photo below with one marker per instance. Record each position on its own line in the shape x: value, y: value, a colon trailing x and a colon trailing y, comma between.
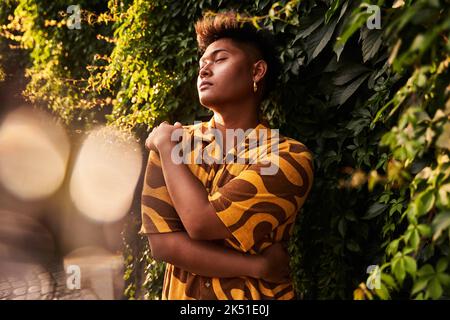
x: 204, y: 85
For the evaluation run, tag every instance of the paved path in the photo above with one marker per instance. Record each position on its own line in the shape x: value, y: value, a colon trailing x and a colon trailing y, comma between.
x: 26, y: 248
x: 39, y: 283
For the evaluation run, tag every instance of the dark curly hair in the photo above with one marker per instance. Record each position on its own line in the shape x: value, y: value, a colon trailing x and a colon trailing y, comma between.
x: 214, y: 26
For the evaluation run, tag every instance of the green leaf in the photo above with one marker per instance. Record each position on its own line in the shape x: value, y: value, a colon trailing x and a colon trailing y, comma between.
x: 398, y: 268
x: 442, y: 265
x: 319, y: 39
x: 308, y: 24
x: 396, y: 208
x: 392, y: 248
x: 417, y: 42
x: 343, y: 93
x: 353, y: 25
x: 331, y: 10
x: 389, y: 281
x: 444, y: 279
x: 420, y: 296
x: 375, y: 210
x: 383, y: 293
x: 385, y: 198
x: 338, y: 48
x: 425, y: 202
x: 415, y: 238
x: 426, y: 271
x: 410, y: 265
x: 434, y: 289
x: 371, y: 42
x: 348, y: 72
x: 427, y: 251
x: 424, y: 229
x: 440, y: 223
x: 419, y: 285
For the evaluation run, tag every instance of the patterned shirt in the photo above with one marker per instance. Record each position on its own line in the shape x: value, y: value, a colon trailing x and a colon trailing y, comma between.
x: 259, y: 208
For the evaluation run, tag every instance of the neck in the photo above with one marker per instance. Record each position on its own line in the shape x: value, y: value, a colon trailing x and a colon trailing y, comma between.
x: 235, y: 121
x: 242, y: 116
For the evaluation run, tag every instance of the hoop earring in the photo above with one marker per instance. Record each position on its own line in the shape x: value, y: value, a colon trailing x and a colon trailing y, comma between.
x: 255, y: 87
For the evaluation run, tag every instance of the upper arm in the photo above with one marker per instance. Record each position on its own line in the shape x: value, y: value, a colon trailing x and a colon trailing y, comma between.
x: 157, y: 210
x: 211, y: 227
x: 252, y: 205
x: 159, y: 214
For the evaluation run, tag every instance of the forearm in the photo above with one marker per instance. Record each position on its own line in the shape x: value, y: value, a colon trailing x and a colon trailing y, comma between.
x: 205, y: 257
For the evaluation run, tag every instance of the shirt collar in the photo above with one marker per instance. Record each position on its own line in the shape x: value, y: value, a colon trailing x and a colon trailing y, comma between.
x: 203, y: 130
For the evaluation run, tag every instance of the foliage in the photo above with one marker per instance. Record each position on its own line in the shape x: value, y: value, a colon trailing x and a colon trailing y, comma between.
x: 7, y: 54
x: 416, y: 260
x: 372, y: 105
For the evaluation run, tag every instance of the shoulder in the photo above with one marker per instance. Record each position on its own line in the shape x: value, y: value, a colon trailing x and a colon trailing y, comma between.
x: 198, y: 128
x: 195, y: 125
x: 289, y: 148
x: 295, y: 161
x: 295, y: 148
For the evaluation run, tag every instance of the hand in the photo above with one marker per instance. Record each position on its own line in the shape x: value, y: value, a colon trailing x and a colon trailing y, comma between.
x: 275, y: 264
x: 160, y: 135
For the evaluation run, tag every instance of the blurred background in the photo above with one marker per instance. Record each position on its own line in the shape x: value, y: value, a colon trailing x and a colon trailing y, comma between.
x: 64, y: 197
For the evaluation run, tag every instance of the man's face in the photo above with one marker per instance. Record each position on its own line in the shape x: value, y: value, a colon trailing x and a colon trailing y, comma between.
x: 225, y: 74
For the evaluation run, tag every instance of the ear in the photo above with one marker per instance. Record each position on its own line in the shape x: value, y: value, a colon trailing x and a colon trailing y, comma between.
x: 259, y: 70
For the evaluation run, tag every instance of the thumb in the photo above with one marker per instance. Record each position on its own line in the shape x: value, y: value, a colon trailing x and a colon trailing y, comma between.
x: 177, y: 124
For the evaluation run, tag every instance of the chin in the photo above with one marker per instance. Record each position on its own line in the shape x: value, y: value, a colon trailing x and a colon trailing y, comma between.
x: 207, y: 100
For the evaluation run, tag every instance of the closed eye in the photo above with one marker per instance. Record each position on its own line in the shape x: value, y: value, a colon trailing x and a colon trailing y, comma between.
x: 217, y: 60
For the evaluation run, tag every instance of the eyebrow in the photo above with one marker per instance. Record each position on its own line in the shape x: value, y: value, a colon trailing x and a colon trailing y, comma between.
x: 214, y: 53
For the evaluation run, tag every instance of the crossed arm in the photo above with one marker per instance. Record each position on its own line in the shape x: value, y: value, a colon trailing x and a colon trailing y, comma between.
x: 190, y: 200
x: 209, y: 259
x: 194, y: 250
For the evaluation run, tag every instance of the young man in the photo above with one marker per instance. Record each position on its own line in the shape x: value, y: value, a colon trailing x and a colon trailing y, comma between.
x: 220, y: 225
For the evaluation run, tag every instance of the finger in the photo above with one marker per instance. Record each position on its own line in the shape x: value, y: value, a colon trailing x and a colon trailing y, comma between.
x: 177, y: 124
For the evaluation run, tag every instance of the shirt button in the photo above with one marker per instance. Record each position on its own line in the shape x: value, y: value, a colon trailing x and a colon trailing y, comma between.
x: 207, y: 284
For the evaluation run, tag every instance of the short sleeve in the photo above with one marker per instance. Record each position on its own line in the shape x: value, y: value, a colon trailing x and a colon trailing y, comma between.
x: 157, y: 210
x: 253, y: 204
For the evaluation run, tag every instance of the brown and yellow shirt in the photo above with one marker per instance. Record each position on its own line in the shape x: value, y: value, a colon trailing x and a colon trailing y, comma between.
x: 259, y: 209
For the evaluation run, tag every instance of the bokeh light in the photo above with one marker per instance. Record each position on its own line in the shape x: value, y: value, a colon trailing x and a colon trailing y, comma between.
x: 105, y: 174
x: 34, y: 152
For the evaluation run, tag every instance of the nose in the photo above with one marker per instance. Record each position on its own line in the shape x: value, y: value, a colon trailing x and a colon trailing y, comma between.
x: 204, y: 71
